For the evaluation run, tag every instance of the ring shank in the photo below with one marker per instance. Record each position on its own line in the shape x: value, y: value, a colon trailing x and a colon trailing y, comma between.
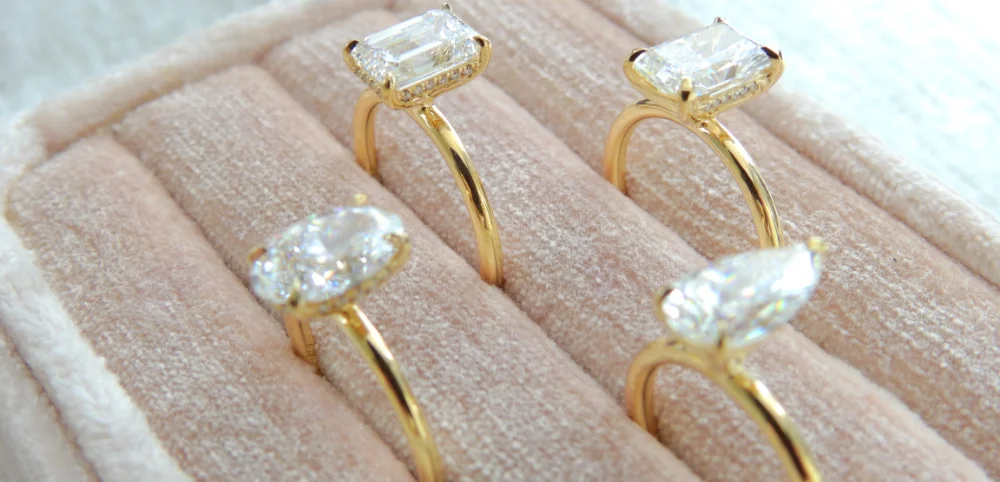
x: 713, y: 133
x: 436, y: 126
x: 748, y: 392
x: 374, y: 350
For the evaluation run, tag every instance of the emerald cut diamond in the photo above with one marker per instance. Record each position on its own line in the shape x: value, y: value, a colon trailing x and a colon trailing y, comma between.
x: 718, y: 60
x: 417, y: 51
x: 743, y: 298
x: 322, y: 258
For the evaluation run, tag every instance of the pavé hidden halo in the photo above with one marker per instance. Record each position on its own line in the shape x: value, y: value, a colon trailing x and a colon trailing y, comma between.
x: 319, y: 268
x: 406, y: 67
x: 689, y: 81
x: 715, y: 317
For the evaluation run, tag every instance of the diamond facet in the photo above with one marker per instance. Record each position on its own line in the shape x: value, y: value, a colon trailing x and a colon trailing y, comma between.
x: 715, y: 58
x: 320, y: 258
x: 742, y: 298
x: 417, y: 49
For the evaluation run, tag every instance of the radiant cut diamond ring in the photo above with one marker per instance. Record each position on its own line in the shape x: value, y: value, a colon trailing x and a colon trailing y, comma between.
x: 689, y: 81
x: 405, y: 67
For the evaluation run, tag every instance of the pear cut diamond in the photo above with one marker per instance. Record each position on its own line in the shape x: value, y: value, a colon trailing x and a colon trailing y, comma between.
x: 742, y: 298
x: 418, y: 49
x: 321, y: 258
x: 716, y: 58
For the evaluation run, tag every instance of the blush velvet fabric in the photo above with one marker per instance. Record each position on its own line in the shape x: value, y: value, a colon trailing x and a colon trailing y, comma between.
x: 130, y: 348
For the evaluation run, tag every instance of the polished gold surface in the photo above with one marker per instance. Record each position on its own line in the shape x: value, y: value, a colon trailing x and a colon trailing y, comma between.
x: 728, y: 373
x: 723, y: 364
x: 422, y: 110
x: 677, y: 108
x: 369, y: 343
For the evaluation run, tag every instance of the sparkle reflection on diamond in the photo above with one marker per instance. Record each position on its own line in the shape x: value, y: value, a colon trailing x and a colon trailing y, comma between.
x: 716, y: 58
x: 743, y: 297
x: 321, y: 257
x: 417, y: 49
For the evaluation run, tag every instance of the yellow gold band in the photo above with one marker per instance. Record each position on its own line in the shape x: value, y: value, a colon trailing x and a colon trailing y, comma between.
x: 713, y: 133
x: 751, y: 395
x: 374, y: 350
x: 448, y: 143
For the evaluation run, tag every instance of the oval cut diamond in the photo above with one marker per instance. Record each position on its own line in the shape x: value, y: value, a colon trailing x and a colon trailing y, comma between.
x: 743, y: 297
x: 322, y: 257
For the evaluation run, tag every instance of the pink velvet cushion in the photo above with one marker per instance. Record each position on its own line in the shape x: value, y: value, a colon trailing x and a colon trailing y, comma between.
x: 139, y: 200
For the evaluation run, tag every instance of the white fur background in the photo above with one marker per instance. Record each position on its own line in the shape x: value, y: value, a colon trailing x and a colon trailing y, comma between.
x: 920, y: 75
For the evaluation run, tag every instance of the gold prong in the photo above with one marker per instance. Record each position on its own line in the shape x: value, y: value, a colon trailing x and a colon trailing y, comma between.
x: 720, y: 20
x: 348, y: 57
x: 360, y: 199
x: 659, y: 296
x: 635, y: 55
x: 817, y: 245
x: 687, y: 96
x: 293, y: 299
x: 629, y: 66
x: 402, y: 243
x: 485, y: 51
x: 777, y: 63
x: 446, y: 7
x: 723, y: 345
x: 388, y: 91
x: 256, y: 253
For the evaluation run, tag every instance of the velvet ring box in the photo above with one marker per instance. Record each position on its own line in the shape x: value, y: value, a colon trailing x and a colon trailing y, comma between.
x: 130, y: 348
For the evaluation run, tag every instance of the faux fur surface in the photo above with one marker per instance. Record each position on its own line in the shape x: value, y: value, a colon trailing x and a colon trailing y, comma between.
x: 891, y: 372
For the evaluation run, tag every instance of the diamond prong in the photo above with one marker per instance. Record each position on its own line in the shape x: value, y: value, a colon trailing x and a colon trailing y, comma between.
x: 660, y: 297
x: 293, y: 298
x: 485, y: 51
x: 777, y: 63
x: 389, y: 90
x: 360, y: 199
x: 446, y: 7
x: 817, y: 245
x: 720, y: 20
x: 256, y: 253
x: 635, y: 54
x: 687, y: 97
x: 348, y: 56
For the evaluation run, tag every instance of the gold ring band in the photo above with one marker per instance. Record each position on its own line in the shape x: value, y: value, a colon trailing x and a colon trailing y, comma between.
x: 320, y: 268
x: 694, y: 106
x: 748, y: 392
x: 713, y: 133
x: 412, y: 85
x: 437, y: 127
x: 716, y: 317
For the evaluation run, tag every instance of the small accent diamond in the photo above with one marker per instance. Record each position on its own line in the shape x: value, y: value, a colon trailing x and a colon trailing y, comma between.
x: 742, y: 298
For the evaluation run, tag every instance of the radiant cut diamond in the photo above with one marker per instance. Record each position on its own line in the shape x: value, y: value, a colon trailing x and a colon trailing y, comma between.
x: 743, y: 297
x: 715, y: 58
x: 322, y: 257
x: 417, y: 49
